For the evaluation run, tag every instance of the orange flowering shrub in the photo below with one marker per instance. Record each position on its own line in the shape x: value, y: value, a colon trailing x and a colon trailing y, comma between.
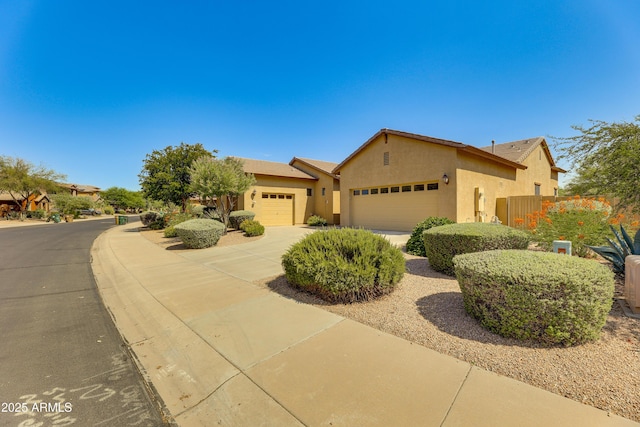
x: 583, y: 221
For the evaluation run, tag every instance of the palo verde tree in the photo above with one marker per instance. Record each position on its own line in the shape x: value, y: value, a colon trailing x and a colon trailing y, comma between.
x: 219, y: 182
x: 22, y: 180
x: 607, y: 159
x: 165, y: 174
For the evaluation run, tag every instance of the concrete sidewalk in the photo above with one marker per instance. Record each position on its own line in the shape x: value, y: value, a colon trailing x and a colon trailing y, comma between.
x: 221, y: 351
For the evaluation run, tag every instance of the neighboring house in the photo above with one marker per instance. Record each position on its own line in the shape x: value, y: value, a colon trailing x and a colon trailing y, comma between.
x: 35, y: 202
x: 82, y: 190
x: 396, y: 179
x: 287, y: 194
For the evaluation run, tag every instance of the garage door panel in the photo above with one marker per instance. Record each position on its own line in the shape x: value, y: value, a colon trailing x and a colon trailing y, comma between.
x: 393, y: 211
x: 277, y: 209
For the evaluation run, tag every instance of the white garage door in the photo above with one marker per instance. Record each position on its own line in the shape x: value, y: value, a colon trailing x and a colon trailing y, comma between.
x: 277, y: 209
x: 397, y: 207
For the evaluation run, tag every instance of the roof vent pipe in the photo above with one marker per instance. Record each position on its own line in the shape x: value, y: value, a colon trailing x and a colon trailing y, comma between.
x: 493, y: 146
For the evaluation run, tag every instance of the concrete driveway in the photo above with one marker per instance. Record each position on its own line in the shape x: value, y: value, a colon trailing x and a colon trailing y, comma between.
x: 220, y: 350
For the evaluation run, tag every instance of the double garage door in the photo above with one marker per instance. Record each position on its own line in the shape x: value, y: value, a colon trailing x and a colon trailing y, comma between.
x: 277, y: 209
x: 397, y: 207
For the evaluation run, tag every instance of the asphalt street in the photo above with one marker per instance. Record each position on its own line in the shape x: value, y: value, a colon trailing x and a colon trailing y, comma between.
x: 62, y: 361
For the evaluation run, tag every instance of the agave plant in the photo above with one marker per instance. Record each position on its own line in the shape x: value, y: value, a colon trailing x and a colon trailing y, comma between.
x: 616, y: 252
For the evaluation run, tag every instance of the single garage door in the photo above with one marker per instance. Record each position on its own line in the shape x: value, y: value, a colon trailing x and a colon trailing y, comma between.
x: 277, y: 209
x: 397, y: 207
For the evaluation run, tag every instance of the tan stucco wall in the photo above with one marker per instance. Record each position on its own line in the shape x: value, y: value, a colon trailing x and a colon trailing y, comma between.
x: 501, y: 181
x: 495, y: 179
x: 417, y: 161
x: 303, y: 205
x: 409, y: 161
x: 323, y: 205
x: 538, y: 171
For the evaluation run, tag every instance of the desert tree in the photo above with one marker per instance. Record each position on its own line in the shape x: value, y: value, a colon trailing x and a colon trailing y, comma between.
x: 607, y: 160
x: 219, y: 182
x: 166, y: 175
x: 22, y: 180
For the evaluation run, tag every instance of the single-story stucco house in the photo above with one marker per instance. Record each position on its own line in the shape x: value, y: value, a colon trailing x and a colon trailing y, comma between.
x: 396, y: 179
x: 287, y: 194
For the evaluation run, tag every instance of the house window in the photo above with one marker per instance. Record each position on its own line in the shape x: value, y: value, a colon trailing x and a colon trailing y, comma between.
x: 406, y: 188
x: 356, y: 192
x: 432, y: 186
x: 536, y: 189
x: 385, y: 158
x: 418, y: 187
x: 365, y: 192
x: 309, y: 192
x: 374, y: 191
x: 395, y: 189
x: 384, y: 190
x: 323, y: 190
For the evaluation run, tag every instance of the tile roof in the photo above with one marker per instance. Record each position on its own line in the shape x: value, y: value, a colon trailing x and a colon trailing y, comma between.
x: 516, y: 151
x: 263, y: 167
x: 326, y: 167
x: 80, y: 187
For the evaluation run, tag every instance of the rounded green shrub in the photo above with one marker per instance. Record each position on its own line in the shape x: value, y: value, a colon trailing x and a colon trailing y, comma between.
x: 252, y: 228
x: 176, y: 218
x: 197, y: 210
x: 237, y: 217
x: 150, y: 216
x: 199, y: 233
x: 170, y: 231
x: 316, y: 221
x: 442, y: 243
x: 530, y: 295
x: 344, y: 265
x: 415, y: 244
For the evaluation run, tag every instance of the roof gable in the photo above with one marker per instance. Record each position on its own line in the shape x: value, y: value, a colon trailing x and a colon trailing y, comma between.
x: 457, y: 145
x: 518, y: 151
x: 318, y: 165
x: 263, y: 167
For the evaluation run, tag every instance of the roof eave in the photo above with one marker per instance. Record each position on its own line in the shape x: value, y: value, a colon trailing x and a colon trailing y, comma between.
x: 314, y: 167
x: 490, y: 156
x: 557, y: 169
x: 409, y: 135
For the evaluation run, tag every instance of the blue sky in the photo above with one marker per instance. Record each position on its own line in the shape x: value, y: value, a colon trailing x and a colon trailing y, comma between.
x: 88, y: 88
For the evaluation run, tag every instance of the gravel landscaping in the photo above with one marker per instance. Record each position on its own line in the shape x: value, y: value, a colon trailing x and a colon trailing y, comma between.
x: 427, y: 309
x: 233, y: 237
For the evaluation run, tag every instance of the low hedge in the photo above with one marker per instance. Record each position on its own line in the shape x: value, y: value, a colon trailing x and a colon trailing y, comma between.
x: 237, y: 217
x: 541, y: 296
x: 316, y: 221
x: 444, y: 242
x: 199, y: 233
x: 415, y: 244
x: 252, y: 228
x: 344, y: 265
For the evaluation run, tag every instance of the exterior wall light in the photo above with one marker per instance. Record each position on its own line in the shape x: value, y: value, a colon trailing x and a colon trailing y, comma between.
x: 445, y: 179
x: 253, y: 193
